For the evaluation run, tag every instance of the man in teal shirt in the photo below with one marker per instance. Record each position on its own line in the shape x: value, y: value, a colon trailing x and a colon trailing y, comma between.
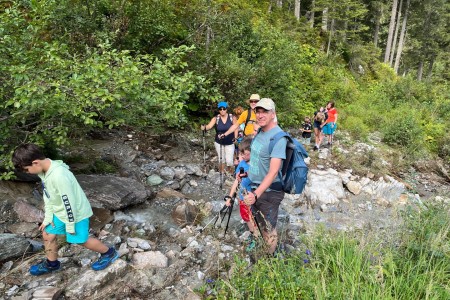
x: 267, y: 192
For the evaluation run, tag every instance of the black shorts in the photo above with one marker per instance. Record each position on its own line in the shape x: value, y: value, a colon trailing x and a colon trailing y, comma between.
x: 317, y: 125
x: 265, y: 209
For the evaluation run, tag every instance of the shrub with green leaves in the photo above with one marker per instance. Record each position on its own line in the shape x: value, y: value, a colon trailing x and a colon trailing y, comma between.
x: 50, y: 94
x: 402, y: 128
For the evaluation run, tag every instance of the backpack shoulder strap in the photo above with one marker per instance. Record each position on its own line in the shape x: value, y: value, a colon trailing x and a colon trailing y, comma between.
x: 249, y: 114
x: 276, y: 138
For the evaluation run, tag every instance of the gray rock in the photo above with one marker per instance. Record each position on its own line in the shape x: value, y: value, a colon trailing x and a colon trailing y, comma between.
x: 150, y: 259
x: 185, y: 213
x: 86, y: 284
x: 27, y: 212
x: 354, y: 187
x: 112, y: 192
x: 149, y: 168
x: 12, y: 246
x: 25, y: 229
x: 193, y: 169
x: 180, y: 173
x: 167, y: 173
x: 6, y: 267
x: 137, y: 242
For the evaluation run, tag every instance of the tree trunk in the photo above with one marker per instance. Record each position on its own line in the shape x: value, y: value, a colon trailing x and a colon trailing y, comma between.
x: 377, y: 30
x: 391, y: 32
x: 397, y: 27
x: 330, y: 36
x: 402, y: 39
x: 311, y: 19
x: 280, y: 3
x: 420, y: 71
x: 430, y: 67
x: 325, y: 19
x: 344, y: 34
x: 208, y: 37
x: 297, y: 9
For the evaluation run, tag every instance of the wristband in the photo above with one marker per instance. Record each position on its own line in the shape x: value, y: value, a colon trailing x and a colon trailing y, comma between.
x: 226, y: 198
x: 254, y: 194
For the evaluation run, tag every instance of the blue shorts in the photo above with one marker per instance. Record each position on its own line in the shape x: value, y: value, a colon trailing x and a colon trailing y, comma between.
x: 81, y: 230
x: 328, y: 130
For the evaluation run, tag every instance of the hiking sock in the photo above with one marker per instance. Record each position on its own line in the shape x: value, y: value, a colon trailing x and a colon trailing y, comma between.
x: 109, y: 252
x: 52, y: 263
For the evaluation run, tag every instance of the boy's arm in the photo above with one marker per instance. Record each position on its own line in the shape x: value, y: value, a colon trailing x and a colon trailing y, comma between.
x: 68, y: 198
x: 48, y: 213
x: 232, y: 192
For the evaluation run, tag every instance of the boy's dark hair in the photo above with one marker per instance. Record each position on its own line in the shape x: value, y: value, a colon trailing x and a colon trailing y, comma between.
x: 245, y: 144
x: 331, y: 103
x: 25, y: 154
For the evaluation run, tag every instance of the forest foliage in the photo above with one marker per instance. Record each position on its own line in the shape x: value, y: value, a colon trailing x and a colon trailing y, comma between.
x: 69, y: 66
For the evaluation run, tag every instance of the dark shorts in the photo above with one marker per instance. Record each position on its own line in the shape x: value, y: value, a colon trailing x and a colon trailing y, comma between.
x: 317, y: 125
x: 265, y: 209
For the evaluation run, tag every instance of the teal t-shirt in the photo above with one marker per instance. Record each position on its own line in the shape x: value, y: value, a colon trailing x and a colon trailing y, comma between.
x: 260, y: 156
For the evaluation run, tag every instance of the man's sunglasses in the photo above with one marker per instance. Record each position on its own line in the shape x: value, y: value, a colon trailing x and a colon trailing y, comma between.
x: 254, y: 101
x: 222, y: 108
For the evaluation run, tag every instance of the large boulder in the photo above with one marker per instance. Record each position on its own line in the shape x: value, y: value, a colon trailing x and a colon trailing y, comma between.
x: 27, y: 212
x: 185, y: 213
x: 324, y: 187
x: 89, y: 283
x: 112, y: 192
x: 12, y: 246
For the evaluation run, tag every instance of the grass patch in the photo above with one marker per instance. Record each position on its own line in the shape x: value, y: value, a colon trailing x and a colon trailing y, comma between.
x: 413, y: 263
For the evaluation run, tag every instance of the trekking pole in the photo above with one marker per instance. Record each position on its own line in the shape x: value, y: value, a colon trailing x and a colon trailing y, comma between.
x: 221, y: 215
x: 204, y: 146
x: 221, y: 167
x: 230, y: 210
x: 253, y: 217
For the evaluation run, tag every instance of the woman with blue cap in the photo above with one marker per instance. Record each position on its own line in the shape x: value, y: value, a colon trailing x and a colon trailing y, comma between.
x: 223, y: 121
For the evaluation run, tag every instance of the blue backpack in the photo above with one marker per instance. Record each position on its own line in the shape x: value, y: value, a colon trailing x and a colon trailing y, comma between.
x: 294, y: 172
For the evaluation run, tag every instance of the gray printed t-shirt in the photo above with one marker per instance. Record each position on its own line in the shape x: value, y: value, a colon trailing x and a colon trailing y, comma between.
x: 260, y: 157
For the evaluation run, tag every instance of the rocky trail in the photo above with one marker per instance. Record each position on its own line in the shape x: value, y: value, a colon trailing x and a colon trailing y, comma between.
x: 157, y: 209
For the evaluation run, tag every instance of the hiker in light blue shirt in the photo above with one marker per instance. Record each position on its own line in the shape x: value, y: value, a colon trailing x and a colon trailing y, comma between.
x: 267, y: 190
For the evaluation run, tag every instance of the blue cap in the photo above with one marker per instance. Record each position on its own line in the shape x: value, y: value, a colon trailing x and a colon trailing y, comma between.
x: 222, y: 104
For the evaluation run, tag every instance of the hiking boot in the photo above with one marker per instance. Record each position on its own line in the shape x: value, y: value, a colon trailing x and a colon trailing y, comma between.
x: 251, y: 243
x: 105, y: 260
x: 44, y: 268
x: 279, y: 251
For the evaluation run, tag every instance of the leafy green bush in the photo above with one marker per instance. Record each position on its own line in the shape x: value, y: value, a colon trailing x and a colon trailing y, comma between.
x: 355, y: 126
x: 401, y: 128
x: 49, y: 94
